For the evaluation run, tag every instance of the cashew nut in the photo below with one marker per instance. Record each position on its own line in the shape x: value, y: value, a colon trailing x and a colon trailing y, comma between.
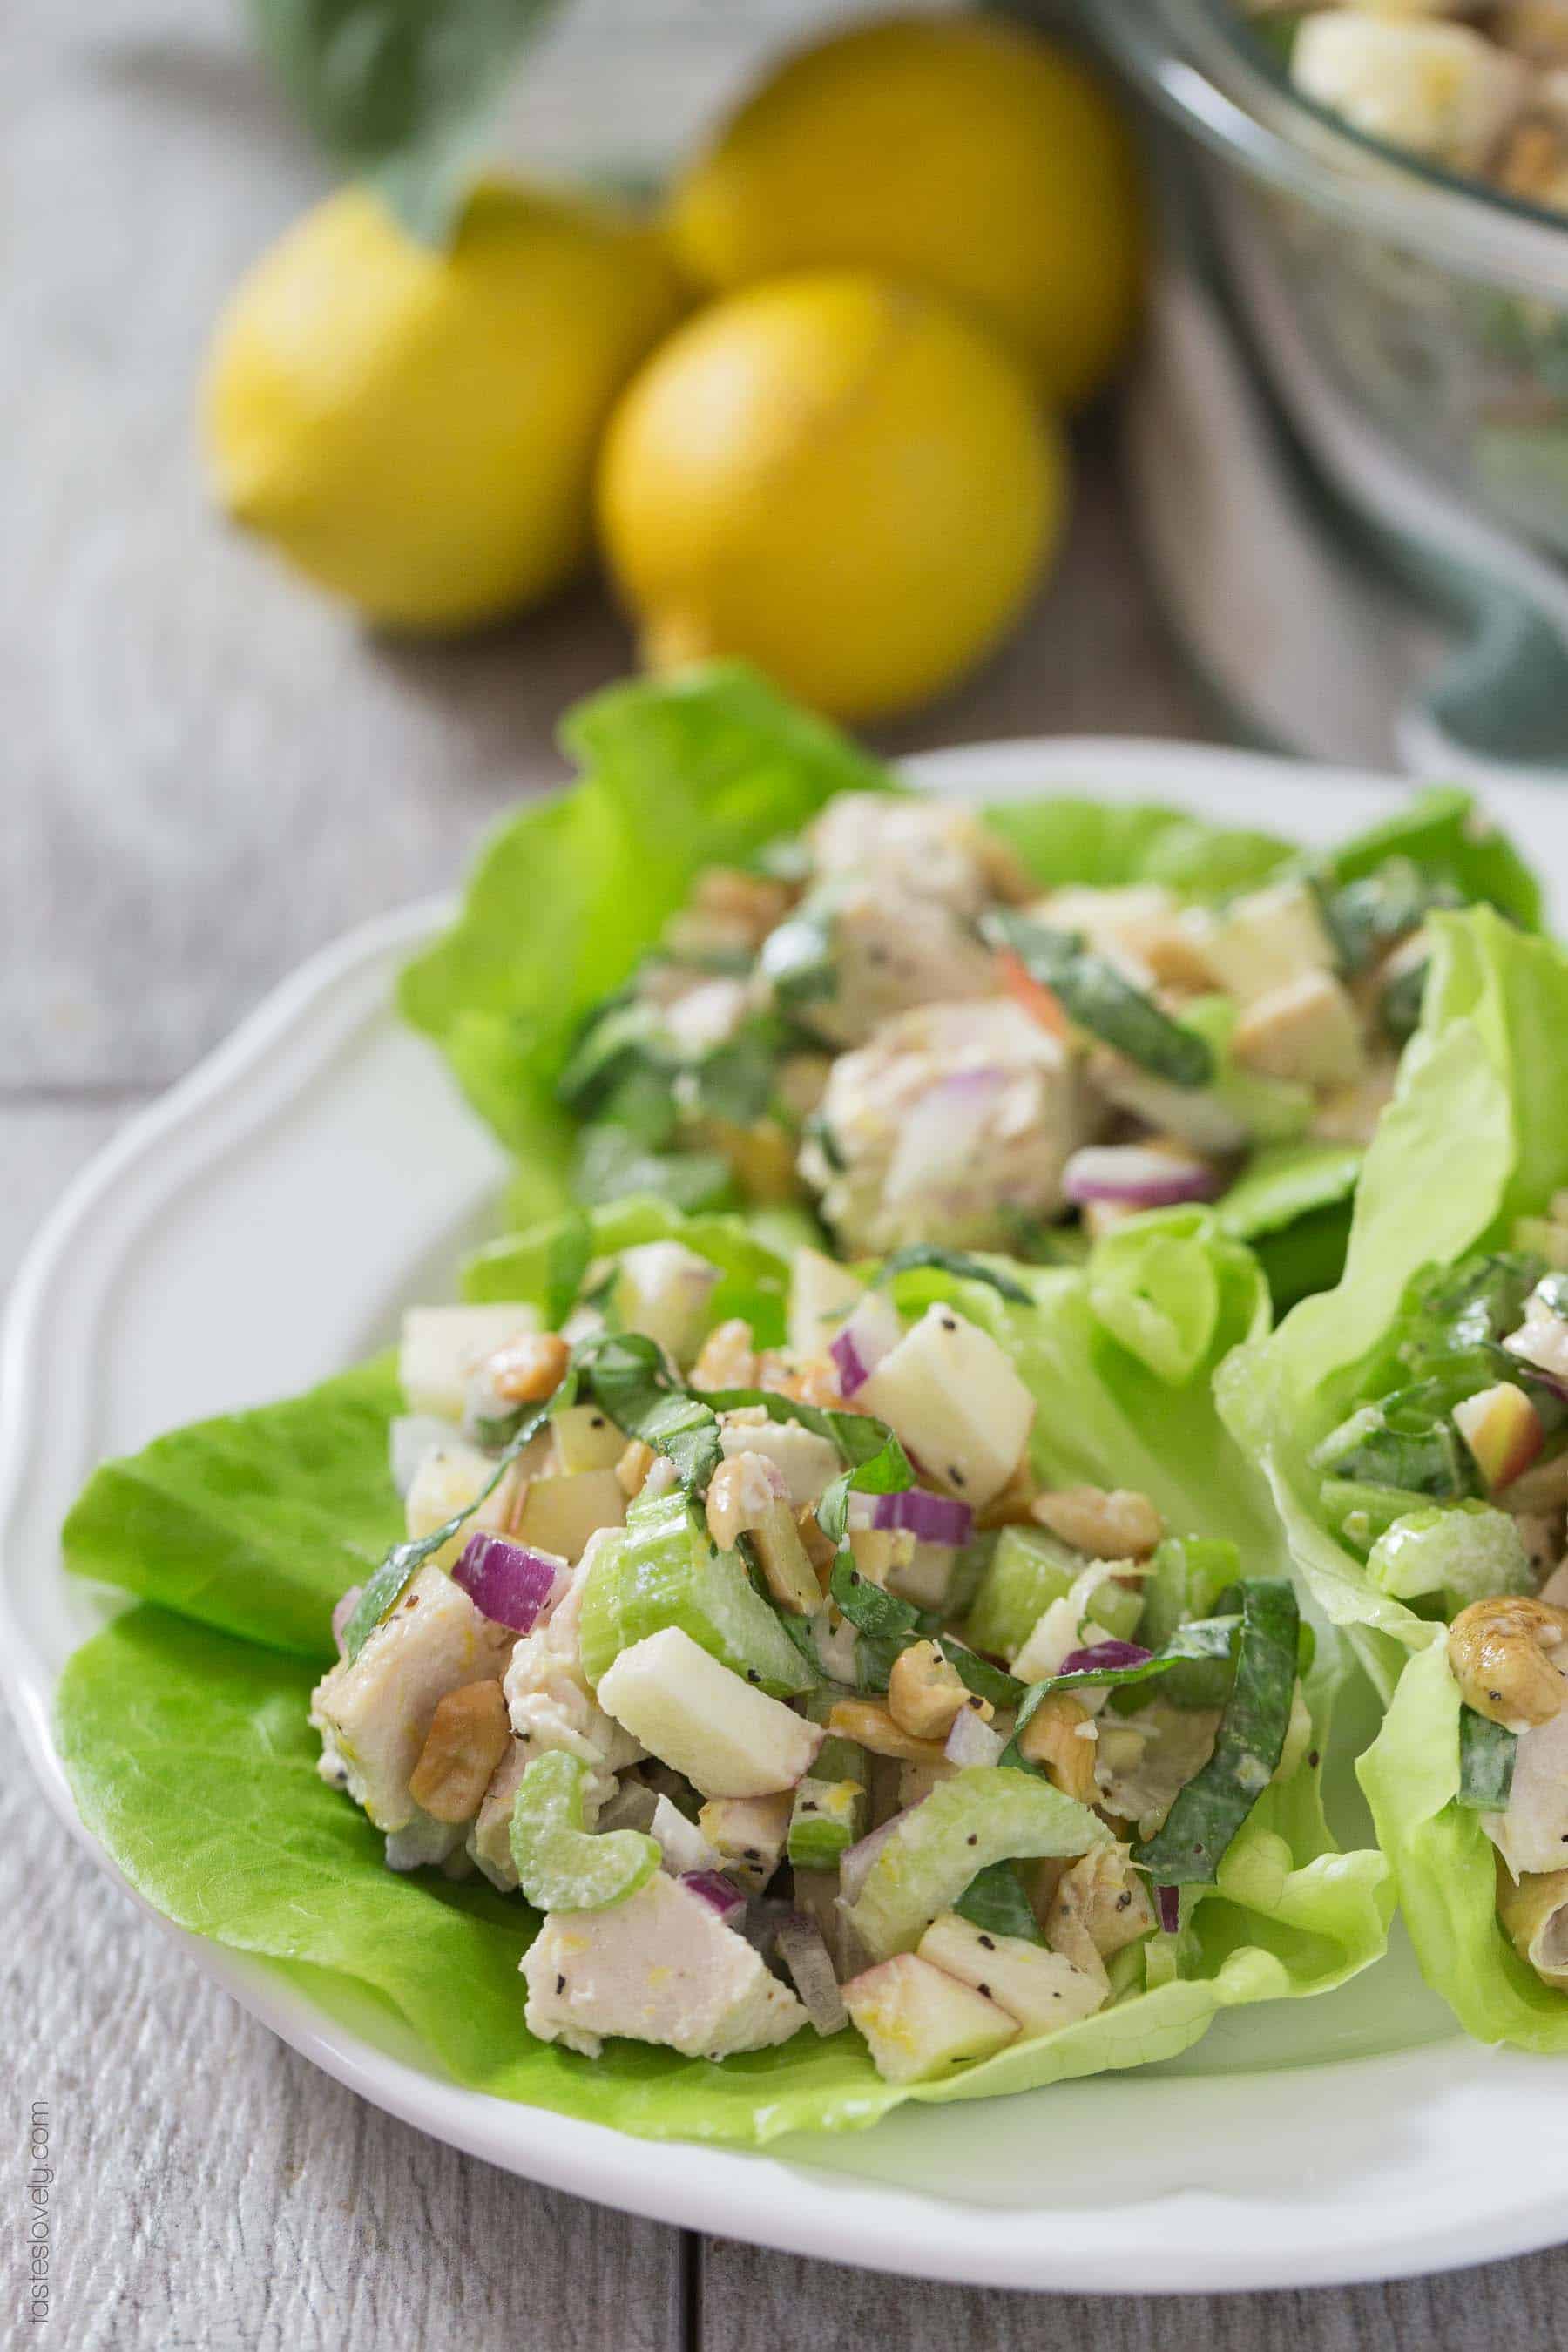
x: 1498, y: 1652
x: 926, y: 1695
x: 1118, y: 1525
x: 1060, y: 1734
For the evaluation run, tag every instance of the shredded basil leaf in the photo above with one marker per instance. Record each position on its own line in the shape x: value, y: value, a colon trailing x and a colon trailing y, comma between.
x: 994, y: 1902
x: 954, y: 1262
x: 1487, y: 1753
x: 629, y: 1379
x: 1099, y: 998
x: 979, y: 1675
x: 386, y: 1587
x: 1214, y: 1803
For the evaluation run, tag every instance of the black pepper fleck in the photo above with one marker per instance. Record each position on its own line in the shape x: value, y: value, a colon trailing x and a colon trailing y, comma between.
x: 972, y: 1839
x: 985, y: 1989
x: 987, y: 1943
x: 948, y: 1323
x: 1312, y: 1759
x: 560, y: 1984
x: 955, y: 1473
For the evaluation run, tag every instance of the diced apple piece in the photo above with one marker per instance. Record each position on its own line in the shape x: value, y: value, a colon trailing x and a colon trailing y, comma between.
x: 1306, y: 1030
x: 585, y: 1439
x: 445, y: 1483
x: 1265, y: 941
x: 443, y: 1347
x: 821, y: 1294
x: 748, y: 1834
x: 1502, y: 1429
x: 920, y: 2022
x: 1040, y: 1989
x: 953, y: 1397
x: 729, y: 1739
x: 662, y: 1291
x: 560, y: 1514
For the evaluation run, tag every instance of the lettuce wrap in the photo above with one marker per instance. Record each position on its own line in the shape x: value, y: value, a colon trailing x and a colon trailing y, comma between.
x: 183, y: 1722
x: 573, y: 892
x: 1456, y: 1187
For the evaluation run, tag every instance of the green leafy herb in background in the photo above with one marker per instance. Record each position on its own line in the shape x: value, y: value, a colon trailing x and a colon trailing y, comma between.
x: 400, y: 91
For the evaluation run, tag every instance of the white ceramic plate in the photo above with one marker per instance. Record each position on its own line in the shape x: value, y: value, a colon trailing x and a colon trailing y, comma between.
x: 314, y: 1175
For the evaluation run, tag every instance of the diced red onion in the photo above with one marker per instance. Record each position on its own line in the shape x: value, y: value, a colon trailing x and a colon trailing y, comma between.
x: 507, y: 1583
x: 1168, y: 1901
x: 343, y: 1613
x: 721, y: 1893
x: 871, y: 1331
x: 1101, y: 1656
x: 929, y: 1519
x: 854, y: 1865
x: 800, y: 1946
x: 972, y: 1739
x: 1132, y: 1177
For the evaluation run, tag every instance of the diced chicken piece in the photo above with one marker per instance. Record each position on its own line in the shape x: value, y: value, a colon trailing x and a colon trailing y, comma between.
x: 1042, y: 1990
x: 920, y: 2022
x: 955, y: 1400
x: 660, y: 1967
x: 1100, y: 1906
x: 550, y: 1703
x: 1307, y: 1030
x: 932, y: 850
x: 1532, y: 1834
x: 444, y: 1347
x: 489, y: 1834
x: 1146, y: 1760
x: 747, y: 1835
x: 377, y: 1710
x: 952, y: 1125
x: 805, y: 1462
x: 1433, y: 90
x: 886, y: 953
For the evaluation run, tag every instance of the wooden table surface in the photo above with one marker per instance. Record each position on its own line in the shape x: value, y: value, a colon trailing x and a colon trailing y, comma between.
x: 206, y: 775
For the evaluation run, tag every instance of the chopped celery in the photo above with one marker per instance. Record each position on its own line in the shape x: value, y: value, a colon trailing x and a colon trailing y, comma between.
x: 665, y: 1570
x: 827, y: 1818
x: 1027, y: 1570
x: 1465, y: 1550
x: 561, y: 1866
x: 983, y: 1814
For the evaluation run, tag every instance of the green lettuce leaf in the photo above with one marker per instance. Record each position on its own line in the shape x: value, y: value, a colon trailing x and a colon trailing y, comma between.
x: 1445, y: 1867
x: 1476, y: 1136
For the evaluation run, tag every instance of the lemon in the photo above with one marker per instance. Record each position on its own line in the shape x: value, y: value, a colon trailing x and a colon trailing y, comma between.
x: 837, y: 477
x: 961, y: 152
x: 416, y: 429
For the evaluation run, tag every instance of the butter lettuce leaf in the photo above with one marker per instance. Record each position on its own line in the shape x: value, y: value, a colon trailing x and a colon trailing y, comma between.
x: 1445, y: 1866
x: 1476, y: 1136
x: 184, y: 1724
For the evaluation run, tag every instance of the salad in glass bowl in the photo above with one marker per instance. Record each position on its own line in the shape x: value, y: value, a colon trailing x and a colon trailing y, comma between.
x: 1397, y: 185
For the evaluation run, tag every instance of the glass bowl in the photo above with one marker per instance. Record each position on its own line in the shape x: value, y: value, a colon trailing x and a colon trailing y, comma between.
x: 1440, y: 306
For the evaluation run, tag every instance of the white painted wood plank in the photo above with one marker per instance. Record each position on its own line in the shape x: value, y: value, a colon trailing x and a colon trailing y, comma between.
x: 214, y: 2190
x: 756, y: 2302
